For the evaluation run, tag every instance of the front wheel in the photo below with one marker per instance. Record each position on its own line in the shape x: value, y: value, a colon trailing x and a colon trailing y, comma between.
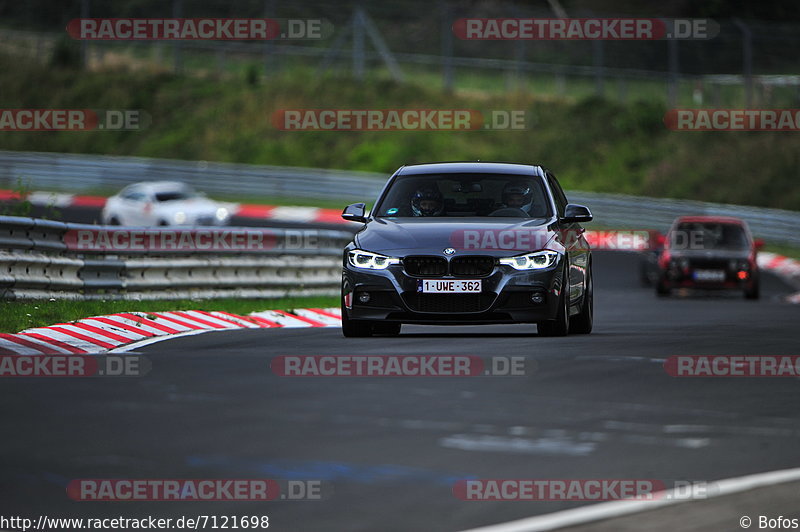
x: 662, y: 290
x: 753, y: 292
x: 560, y: 325
x: 354, y: 328
x: 388, y: 329
x: 583, y: 321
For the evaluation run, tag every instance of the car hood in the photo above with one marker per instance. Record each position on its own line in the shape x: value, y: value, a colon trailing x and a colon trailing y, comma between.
x: 191, y: 206
x: 486, y: 236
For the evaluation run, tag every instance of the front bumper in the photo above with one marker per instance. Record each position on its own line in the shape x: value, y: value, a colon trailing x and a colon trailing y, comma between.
x: 684, y: 278
x: 506, y: 297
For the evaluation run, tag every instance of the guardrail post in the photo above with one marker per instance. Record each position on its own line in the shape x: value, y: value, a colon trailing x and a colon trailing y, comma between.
x: 269, y: 45
x: 177, y: 12
x: 747, y: 60
x: 599, y: 70
x: 672, y: 91
x: 447, y: 46
x: 358, y: 44
x: 84, y: 43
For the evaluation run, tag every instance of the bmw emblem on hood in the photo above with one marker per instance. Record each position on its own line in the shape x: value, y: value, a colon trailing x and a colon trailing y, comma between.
x: 449, y: 251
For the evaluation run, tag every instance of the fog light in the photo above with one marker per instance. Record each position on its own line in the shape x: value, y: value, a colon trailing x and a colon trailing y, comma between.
x: 537, y: 297
x: 363, y: 297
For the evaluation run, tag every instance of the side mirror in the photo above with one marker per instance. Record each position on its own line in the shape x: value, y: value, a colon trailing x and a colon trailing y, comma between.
x: 759, y: 244
x: 355, y: 212
x: 576, y: 213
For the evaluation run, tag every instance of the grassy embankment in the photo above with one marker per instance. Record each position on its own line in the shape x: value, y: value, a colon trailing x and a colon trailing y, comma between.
x: 591, y: 144
x: 18, y: 315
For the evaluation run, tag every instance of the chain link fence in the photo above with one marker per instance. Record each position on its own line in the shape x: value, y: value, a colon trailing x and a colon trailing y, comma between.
x: 748, y: 63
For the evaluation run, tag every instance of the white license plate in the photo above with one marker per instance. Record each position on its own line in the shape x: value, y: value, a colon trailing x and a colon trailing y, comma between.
x: 448, y: 286
x: 717, y: 276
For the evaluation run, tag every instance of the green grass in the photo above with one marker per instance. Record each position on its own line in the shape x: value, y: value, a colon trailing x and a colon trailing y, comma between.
x: 18, y: 315
x: 787, y: 251
x: 590, y: 143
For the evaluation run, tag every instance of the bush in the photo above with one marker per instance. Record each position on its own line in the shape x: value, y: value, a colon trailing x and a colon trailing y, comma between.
x: 66, y: 53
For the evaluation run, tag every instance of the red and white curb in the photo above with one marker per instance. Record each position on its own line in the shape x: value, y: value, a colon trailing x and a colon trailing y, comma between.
x: 784, y: 267
x: 128, y: 330
x: 244, y: 210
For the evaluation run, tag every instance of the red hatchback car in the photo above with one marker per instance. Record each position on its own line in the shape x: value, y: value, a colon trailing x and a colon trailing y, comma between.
x: 709, y: 252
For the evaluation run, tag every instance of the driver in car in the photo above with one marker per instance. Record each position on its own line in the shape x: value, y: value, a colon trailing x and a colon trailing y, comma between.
x: 517, y: 196
x: 427, y: 201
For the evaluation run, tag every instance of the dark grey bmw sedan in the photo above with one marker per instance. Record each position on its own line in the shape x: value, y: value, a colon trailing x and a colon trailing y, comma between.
x: 468, y: 243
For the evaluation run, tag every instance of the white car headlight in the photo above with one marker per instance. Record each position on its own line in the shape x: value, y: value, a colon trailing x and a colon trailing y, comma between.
x: 370, y: 261
x: 531, y: 261
x: 222, y: 213
x: 180, y: 217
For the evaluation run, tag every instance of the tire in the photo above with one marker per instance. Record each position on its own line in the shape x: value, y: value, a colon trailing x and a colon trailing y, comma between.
x: 754, y: 292
x: 387, y: 329
x: 644, y: 272
x: 661, y: 289
x: 114, y: 221
x: 560, y: 325
x: 354, y: 328
x: 583, y: 321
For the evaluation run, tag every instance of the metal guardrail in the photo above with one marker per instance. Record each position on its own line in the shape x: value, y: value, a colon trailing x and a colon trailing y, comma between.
x: 42, y: 259
x: 637, y: 212
x: 86, y: 172
x: 49, y: 171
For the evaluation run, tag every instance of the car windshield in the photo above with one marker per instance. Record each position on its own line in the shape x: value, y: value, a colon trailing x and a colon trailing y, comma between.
x: 709, y: 235
x: 466, y: 195
x: 177, y: 194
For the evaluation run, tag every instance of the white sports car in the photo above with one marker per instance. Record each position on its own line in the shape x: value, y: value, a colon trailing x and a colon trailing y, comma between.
x: 163, y: 203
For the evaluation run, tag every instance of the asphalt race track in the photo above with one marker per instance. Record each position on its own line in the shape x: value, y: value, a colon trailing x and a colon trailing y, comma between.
x: 389, y: 450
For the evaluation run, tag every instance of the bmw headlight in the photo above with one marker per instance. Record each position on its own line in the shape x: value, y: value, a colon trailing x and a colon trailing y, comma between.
x: 370, y: 261
x: 222, y: 213
x: 531, y: 261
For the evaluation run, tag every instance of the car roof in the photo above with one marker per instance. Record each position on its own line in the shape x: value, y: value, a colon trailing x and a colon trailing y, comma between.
x: 710, y: 219
x: 466, y: 167
x: 160, y: 186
